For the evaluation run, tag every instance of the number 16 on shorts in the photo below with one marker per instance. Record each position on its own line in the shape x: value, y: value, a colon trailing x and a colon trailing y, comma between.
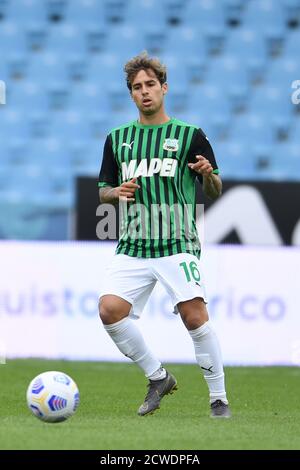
x: 191, y: 271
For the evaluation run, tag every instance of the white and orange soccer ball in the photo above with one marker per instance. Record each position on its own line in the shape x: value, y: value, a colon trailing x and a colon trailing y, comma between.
x: 52, y: 396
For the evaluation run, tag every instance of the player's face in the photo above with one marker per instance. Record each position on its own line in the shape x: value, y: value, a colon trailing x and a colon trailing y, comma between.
x: 147, y: 92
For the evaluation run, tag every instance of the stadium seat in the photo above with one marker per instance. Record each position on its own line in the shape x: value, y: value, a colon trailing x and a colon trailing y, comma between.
x: 114, y: 10
x: 55, y: 10
x: 80, y: 13
x: 143, y: 13
x: 252, y: 129
x: 12, y: 40
x: 233, y: 12
x: 285, y: 162
x: 128, y: 42
x: 249, y: 48
x: 291, y: 13
x: 265, y: 15
x: 272, y: 103
x: 85, y: 158
x: 185, y: 43
x: 235, y: 161
x: 210, y: 100
x: 154, y: 39
x: 96, y: 39
x: 204, y: 15
x: 174, y: 10
x: 227, y: 72
x: 176, y: 100
x: 24, y: 13
x: 65, y: 38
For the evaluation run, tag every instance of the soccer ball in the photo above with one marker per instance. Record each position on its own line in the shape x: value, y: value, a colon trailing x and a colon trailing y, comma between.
x: 52, y: 396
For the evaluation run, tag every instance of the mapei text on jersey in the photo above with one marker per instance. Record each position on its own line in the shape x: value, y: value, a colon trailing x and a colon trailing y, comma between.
x: 163, y: 167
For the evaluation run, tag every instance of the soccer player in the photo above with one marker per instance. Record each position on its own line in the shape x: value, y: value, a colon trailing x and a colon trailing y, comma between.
x: 152, y: 163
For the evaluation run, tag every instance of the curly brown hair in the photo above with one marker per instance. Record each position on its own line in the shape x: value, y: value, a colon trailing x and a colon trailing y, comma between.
x: 144, y: 62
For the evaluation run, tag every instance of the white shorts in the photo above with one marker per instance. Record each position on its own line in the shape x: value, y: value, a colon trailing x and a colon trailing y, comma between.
x: 133, y: 279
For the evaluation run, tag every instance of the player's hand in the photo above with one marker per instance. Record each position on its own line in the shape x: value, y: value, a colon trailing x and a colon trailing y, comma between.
x: 127, y: 190
x: 202, y: 166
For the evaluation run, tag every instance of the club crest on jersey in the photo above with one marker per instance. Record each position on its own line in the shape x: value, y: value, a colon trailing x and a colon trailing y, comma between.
x: 171, y: 145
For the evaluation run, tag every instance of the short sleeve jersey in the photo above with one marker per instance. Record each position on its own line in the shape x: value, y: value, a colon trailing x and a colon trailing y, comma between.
x: 163, y: 214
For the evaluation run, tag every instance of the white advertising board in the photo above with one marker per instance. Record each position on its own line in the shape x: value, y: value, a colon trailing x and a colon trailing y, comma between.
x: 49, y: 296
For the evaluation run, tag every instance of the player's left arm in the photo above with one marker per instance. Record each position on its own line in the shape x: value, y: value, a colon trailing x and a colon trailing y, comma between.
x: 202, y: 161
x: 212, y: 184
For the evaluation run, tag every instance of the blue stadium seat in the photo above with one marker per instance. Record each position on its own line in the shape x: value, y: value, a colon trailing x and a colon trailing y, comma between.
x: 14, y: 124
x: 118, y: 96
x: 235, y: 161
x: 26, y: 13
x: 121, y: 117
x: 81, y: 12
x: 19, y: 220
x: 174, y: 12
x: 88, y: 97
x: 285, y: 162
x: 291, y: 12
x: 205, y: 15
x: 142, y: 13
x: 226, y: 72
x: 12, y: 40
x: 17, y: 152
x: 250, y: 50
x: 100, y: 124
x: 36, y: 35
x: 43, y: 186
x: 114, y: 11
x: 282, y: 73
x: 38, y: 124
x: 272, y: 103
x: 65, y: 37
x: 85, y: 157
x: 55, y: 10
x: 154, y: 38
x: 3, y: 9
x: 29, y: 94
x: 16, y: 67
x: 258, y: 14
x: 48, y: 69
x: 71, y: 124
x: 176, y: 100
x: 292, y: 45
x: 77, y: 68
x: 104, y: 68
x: 295, y: 131
x: 196, y: 69
x: 209, y: 100
x: 185, y: 43
x: 233, y: 11
x: 252, y: 129
x: 177, y: 75
x: 95, y: 38
x: 126, y: 42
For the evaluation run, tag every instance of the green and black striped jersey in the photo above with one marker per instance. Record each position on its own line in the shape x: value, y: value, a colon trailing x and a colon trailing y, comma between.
x: 161, y: 221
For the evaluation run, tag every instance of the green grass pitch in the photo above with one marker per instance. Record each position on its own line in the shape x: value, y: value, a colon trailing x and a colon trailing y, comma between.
x: 264, y: 403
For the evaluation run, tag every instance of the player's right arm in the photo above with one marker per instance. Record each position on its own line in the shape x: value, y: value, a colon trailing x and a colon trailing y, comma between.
x: 125, y: 192
x: 109, y: 190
